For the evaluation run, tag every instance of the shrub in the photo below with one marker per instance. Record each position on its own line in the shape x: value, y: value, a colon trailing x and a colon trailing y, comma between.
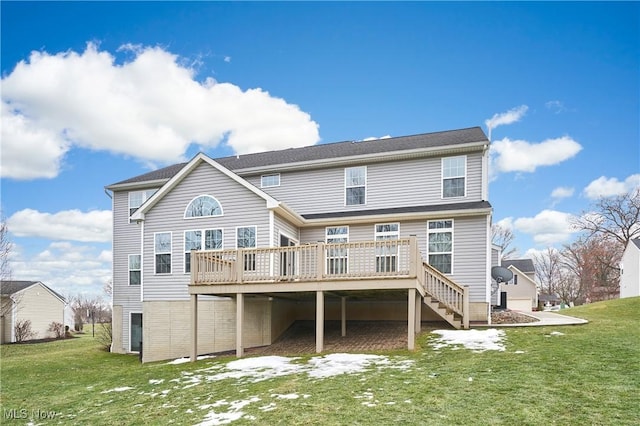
x: 105, y: 336
x: 23, y: 331
x: 57, y: 329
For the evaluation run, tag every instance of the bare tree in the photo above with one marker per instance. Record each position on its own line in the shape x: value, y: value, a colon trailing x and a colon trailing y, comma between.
x: 5, y: 250
x: 615, y: 217
x: 503, y: 237
x: 89, y: 310
x: 108, y: 288
x: 548, y: 265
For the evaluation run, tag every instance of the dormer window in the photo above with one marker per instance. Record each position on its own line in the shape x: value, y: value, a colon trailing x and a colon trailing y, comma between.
x: 203, y: 206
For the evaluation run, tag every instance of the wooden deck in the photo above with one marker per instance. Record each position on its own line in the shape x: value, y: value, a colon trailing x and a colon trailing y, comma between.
x: 364, y: 267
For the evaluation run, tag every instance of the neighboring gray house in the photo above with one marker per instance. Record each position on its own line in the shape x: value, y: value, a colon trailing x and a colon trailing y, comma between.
x: 32, y: 301
x: 630, y: 270
x: 522, y: 290
x: 221, y: 254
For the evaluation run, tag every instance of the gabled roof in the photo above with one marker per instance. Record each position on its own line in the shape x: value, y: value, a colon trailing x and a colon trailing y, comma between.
x: 343, y: 151
x: 523, y: 265
x: 271, y: 202
x: 8, y: 288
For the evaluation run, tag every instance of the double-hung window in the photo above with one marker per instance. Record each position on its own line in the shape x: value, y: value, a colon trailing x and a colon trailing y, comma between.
x: 210, y: 239
x: 454, y: 171
x: 246, y: 238
x: 137, y: 198
x: 387, y: 252
x: 135, y: 269
x: 440, y: 245
x: 355, y: 185
x: 162, y: 247
x: 337, y: 257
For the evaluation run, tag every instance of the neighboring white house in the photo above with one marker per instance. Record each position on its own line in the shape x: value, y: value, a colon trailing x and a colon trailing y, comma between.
x: 221, y: 254
x: 522, y: 290
x: 630, y: 270
x: 32, y: 301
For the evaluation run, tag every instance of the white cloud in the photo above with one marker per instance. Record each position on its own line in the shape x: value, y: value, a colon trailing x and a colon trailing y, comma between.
x: 150, y: 107
x: 506, y: 223
x: 556, y: 106
x: 511, y: 116
x: 67, y: 268
x: 547, y: 228
x: 522, y: 156
x: 562, y: 192
x: 607, y: 187
x: 67, y: 225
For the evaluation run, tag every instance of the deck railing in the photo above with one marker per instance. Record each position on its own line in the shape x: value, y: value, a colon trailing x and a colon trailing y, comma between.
x: 308, y: 262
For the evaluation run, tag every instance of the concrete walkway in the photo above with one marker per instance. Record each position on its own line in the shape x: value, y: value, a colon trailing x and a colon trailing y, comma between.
x: 545, y: 318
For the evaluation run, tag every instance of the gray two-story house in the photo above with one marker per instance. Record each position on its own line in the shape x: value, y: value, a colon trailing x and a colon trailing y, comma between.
x: 221, y: 254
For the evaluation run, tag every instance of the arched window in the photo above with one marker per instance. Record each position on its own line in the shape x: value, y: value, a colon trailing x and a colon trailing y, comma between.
x: 203, y: 206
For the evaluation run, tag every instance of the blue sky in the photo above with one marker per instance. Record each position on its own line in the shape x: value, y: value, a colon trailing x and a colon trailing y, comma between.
x: 93, y: 93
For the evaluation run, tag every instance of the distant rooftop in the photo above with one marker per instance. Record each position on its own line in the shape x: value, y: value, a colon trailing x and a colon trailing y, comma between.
x: 328, y: 151
x: 524, y: 265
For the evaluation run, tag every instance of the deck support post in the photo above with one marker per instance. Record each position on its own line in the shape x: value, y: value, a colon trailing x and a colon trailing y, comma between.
x: 239, y: 324
x: 465, y: 307
x: 343, y: 317
x: 194, y: 327
x: 319, y: 321
x: 418, y: 301
x: 411, y: 321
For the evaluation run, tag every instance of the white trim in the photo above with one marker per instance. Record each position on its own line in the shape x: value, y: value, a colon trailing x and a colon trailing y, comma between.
x: 489, y: 249
x: 355, y: 186
x: 184, y: 216
x: 485, y: 174
x: 142, y: 261
x: 155, y: 253
x: 14, y: 312
x: 442, y: 178
x: 145, y: 197
x: 142, y: 331
x: 441, y: 230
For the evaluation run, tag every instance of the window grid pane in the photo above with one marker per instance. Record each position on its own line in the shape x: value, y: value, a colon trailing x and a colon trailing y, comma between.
x: 203, y: 206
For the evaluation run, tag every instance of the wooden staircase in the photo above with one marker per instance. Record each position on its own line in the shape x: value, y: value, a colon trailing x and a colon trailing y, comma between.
x: 446, y: 298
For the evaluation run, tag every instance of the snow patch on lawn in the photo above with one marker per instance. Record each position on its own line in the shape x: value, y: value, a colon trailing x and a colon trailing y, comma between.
x: 120, y: 389
x: 476, y: 340
x: 187, y: 359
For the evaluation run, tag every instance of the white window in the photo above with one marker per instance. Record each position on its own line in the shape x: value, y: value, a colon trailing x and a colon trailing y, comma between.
x: 387, y: 255
x: 270, y: 180
x: 210, y: 239
x: 337, y: 257
x: 454, y: 171
x: 355, y: 185
x: 162, y: 252
x: 135, y: 270
x: 137, y: 198
x: 440, y: 245
x: 246, y: 238
x: 203, y: 206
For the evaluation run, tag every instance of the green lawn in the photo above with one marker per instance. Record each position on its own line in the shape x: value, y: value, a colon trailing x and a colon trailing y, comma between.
x: 587, y: 375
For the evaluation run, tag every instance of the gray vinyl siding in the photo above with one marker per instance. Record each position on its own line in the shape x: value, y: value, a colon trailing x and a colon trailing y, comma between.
x: 469, y: 246
x: 126, y: 241
x: 284, y: 227
x: 392, y: 184
x: 240, y: 207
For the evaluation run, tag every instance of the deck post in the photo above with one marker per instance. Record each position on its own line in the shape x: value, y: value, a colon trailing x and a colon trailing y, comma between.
x: 413, y: 256
x: 411, y: 321
x: 239, y: 324
x: 343, y: 309
x: 194, y: 327
x: 239, y: 265
x: 319, y: 260
x: 319, y: 321
x: 465, y: 307
x: 418, y: 313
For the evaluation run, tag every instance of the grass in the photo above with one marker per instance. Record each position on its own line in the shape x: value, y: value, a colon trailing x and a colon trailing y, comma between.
x: 589, y: 375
